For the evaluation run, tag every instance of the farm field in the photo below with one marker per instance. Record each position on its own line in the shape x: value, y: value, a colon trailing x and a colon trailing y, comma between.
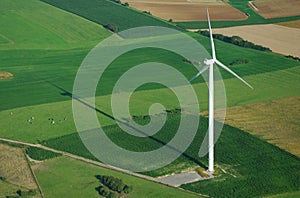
x: 284, y: 40
x: 39, y: 91
x: 64, y: 177
x: 277, y: 8
x: 183, y: 10
x: 243, y: 6
x: 100, y: 11
x: 276, y: 121
x: 42, y: 129
x: 254, y: 167
x: 53, y: 28
x: 291, y: 24
x: 34, y: 76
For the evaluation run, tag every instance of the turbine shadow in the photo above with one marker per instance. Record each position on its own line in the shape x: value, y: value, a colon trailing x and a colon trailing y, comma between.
x: 64, y: 92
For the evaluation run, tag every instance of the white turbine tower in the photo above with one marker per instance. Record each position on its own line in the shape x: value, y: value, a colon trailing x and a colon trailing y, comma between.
x: 209, y: 64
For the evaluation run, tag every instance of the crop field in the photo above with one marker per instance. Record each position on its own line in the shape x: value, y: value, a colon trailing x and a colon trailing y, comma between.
x: 42, y: 44
x: 255, y: 167
x: 65, y: 177
x: 100, y: 11
x: 291, y: 24
x: 243, y: 6
x: 260, y: 34
x: 52, y: 27
x: 277, y: 8
x: 41, y: 128
x: 275, y: 121
x: 182, y: 10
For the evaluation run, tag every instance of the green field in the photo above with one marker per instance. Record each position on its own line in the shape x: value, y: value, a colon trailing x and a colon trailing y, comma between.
x: 42, y: 129
x: 43, y: 46
x: 64, y: 177
x: 100, y: 11
x: 254, y: 167
x: 36, y: 63
x: 242, y: 5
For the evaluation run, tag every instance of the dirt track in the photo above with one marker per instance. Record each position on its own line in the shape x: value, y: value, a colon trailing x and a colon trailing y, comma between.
x: 279, y: 39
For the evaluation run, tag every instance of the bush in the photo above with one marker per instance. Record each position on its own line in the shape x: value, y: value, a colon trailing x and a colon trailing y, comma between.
x: 127, y: 189
x: 103, y: 190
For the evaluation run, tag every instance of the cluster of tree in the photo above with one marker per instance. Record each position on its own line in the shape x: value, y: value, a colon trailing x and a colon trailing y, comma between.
x: 111, y: 187
x: 293, y: 57
x: 240, y: 61
x: 236, y: 40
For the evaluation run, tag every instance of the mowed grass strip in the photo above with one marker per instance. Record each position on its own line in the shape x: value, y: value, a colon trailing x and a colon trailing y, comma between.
x: 276, y: 121
x: 64, y: 177
x: 19, y: 120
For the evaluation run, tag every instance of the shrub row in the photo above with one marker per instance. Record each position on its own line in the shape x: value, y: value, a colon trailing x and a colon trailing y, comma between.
x: 236, y: 40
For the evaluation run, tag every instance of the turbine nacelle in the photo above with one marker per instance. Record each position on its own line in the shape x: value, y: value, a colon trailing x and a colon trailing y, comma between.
x: 209, y: 62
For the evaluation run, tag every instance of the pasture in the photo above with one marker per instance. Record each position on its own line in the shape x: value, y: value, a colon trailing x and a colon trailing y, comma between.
x: 279, y: 42
x: 277, y: 8
x: 64, y: 177
x: 183, y: 10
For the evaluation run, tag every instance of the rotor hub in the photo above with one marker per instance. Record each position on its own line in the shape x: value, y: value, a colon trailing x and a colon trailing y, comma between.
x: 209, y: 61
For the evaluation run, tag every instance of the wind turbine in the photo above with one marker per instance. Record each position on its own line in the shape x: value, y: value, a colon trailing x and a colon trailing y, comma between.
x: 209, y: 64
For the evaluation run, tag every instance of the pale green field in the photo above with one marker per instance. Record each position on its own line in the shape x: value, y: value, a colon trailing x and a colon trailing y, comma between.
x: 64, y: 177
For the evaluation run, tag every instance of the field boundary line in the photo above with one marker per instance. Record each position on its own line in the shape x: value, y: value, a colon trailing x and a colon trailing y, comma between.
x: 33, y: 175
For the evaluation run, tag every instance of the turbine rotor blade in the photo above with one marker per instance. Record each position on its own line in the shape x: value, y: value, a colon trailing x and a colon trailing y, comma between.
x: 211, y: 36
x: 234, y: 74
x: 199, y: 73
